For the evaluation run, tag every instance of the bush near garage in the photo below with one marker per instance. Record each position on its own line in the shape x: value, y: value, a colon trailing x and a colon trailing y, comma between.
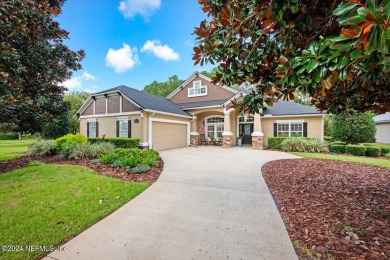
x: 70, y: 139
x: 118, y: 142
x: 133, y: 157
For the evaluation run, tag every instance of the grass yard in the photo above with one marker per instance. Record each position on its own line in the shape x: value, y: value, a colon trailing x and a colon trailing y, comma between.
x: 47, y: 204
x: 11, y: 149
x: 357, y: 159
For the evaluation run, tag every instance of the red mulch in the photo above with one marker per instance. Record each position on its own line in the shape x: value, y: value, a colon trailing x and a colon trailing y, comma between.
x: 119, y: 173
x: 335, y: 208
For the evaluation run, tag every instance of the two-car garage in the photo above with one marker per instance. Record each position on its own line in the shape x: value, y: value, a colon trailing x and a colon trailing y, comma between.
x: 168, y: 134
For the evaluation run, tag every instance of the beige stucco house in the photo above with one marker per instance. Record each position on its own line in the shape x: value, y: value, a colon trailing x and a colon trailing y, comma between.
x: 196, y: 113
x: 382, y: 123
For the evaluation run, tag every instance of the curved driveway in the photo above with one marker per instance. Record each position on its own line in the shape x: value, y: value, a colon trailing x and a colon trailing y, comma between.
x: 209, y: 203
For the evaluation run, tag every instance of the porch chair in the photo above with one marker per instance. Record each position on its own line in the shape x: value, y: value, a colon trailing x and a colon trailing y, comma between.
x: 203, y: 140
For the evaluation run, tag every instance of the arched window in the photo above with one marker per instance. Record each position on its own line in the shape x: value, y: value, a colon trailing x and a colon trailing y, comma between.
x: 214, y: 127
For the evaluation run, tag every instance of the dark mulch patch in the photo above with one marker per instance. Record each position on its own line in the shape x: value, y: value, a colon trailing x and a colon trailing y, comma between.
x: 119, y: 173
x: 337, y: 209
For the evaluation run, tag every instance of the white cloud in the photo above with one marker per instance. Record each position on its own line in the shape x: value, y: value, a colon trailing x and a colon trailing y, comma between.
x: 161, y: 51
x: 78, y: 83
x: 122, y: 59
x: 145, y: 8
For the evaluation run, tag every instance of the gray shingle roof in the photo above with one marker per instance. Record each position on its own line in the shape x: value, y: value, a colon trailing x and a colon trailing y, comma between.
x: 382, y: 118
x: 246, y: 91
x: 201, y: 104
x: 282, y: 108
x: 149, y: 101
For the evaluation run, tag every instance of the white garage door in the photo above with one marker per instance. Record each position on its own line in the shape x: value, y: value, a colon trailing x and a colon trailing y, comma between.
x: 168, y: 135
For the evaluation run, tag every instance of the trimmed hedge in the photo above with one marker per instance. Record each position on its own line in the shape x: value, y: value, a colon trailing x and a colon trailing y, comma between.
x: 373, y: 151
x: 338, y: 143
x: 384, y: 150
x: 337, y: 148
x: 68, y: 140
x: 275, y: 142
x: 304, y: 145
x: 328, y: 138
x: 118, y: 142
x: 9, y: 136
x: 358, y: 150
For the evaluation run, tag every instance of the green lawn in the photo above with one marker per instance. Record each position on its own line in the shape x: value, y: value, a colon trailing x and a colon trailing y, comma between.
x: 11, y: 149
x: 45, y: 204
x: 357, y: 159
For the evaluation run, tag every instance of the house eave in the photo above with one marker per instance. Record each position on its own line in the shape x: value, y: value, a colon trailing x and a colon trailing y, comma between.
x: 166, y: 113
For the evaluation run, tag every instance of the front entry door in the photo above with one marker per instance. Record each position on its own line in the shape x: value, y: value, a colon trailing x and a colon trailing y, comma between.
x: 245, y: 130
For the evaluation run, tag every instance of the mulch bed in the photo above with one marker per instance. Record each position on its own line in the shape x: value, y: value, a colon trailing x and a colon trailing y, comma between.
x: 333, y: 208
x: 119, y: 173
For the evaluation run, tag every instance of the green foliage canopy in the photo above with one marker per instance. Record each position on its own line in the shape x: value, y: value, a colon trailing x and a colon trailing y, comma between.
x: 337, y: 51
x: 33, y: 61
x: 353, y: 127
x: 163, y: 89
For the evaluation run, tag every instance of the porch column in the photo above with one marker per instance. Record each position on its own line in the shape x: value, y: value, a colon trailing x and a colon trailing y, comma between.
x: 194, y: 135
x: 144, y: 141
x: 227, y: 134
x: 257, y: 135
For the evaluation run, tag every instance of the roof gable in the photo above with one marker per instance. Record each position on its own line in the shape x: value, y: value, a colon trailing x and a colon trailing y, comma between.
x: 213, y: 92
x: 148, y: 101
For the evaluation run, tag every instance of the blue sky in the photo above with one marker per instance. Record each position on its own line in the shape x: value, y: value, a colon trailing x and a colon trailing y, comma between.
x: 131, y: 42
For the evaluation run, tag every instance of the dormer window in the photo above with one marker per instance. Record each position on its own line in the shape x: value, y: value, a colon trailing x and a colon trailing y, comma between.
x: 197, y: 89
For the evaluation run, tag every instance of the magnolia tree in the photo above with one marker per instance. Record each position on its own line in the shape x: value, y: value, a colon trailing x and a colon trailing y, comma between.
x: 33, y: 61
x: 336, y: 51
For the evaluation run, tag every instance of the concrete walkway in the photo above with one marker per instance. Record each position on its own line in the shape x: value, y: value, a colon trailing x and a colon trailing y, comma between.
x: 209, y: 203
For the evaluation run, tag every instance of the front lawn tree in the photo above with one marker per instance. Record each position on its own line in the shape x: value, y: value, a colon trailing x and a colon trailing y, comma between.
x: 336, y: 51
x: 353, y: 127
x: 33, y: 62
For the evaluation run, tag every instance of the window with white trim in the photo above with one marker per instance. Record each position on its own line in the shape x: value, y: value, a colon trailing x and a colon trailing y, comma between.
x: 197, y: 89
x: 290, y: 129
x: 92, y: 129
x: 214, y: 128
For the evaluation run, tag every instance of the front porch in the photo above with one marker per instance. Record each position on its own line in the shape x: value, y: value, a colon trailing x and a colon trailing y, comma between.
x: 218, y: 126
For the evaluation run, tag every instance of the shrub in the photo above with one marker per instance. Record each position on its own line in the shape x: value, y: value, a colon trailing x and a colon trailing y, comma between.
x: 338, y: 143
x: 69, y: 139
x: 373, y: 151
x: 100, y: 149
x: 130, y: 157
x: 78, y: 151
x: 130, y: 162
x: 358, y: 150
x: 9, y: 136
x: 304, y: 145
x: 328, y: 138
x: 354, y: 127
x: 118, y: 142
x: 385, y: 150
x: 337, y: 148
x: 141, y: 169
x: 275, y: 142
x: 42, y: 148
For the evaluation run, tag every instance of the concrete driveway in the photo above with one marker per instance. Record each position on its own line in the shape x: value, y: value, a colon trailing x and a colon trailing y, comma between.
x: 209, y: 203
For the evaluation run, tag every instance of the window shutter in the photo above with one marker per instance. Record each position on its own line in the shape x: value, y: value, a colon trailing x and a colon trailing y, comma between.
x: 304, y: 129
x: 87, y: 129
x: 97, y: 129
x: 129, y: 128
x: 117, y: 128
x: 275, y: 129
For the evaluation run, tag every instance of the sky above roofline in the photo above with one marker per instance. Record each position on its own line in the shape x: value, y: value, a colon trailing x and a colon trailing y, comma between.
x: 131, y: 42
